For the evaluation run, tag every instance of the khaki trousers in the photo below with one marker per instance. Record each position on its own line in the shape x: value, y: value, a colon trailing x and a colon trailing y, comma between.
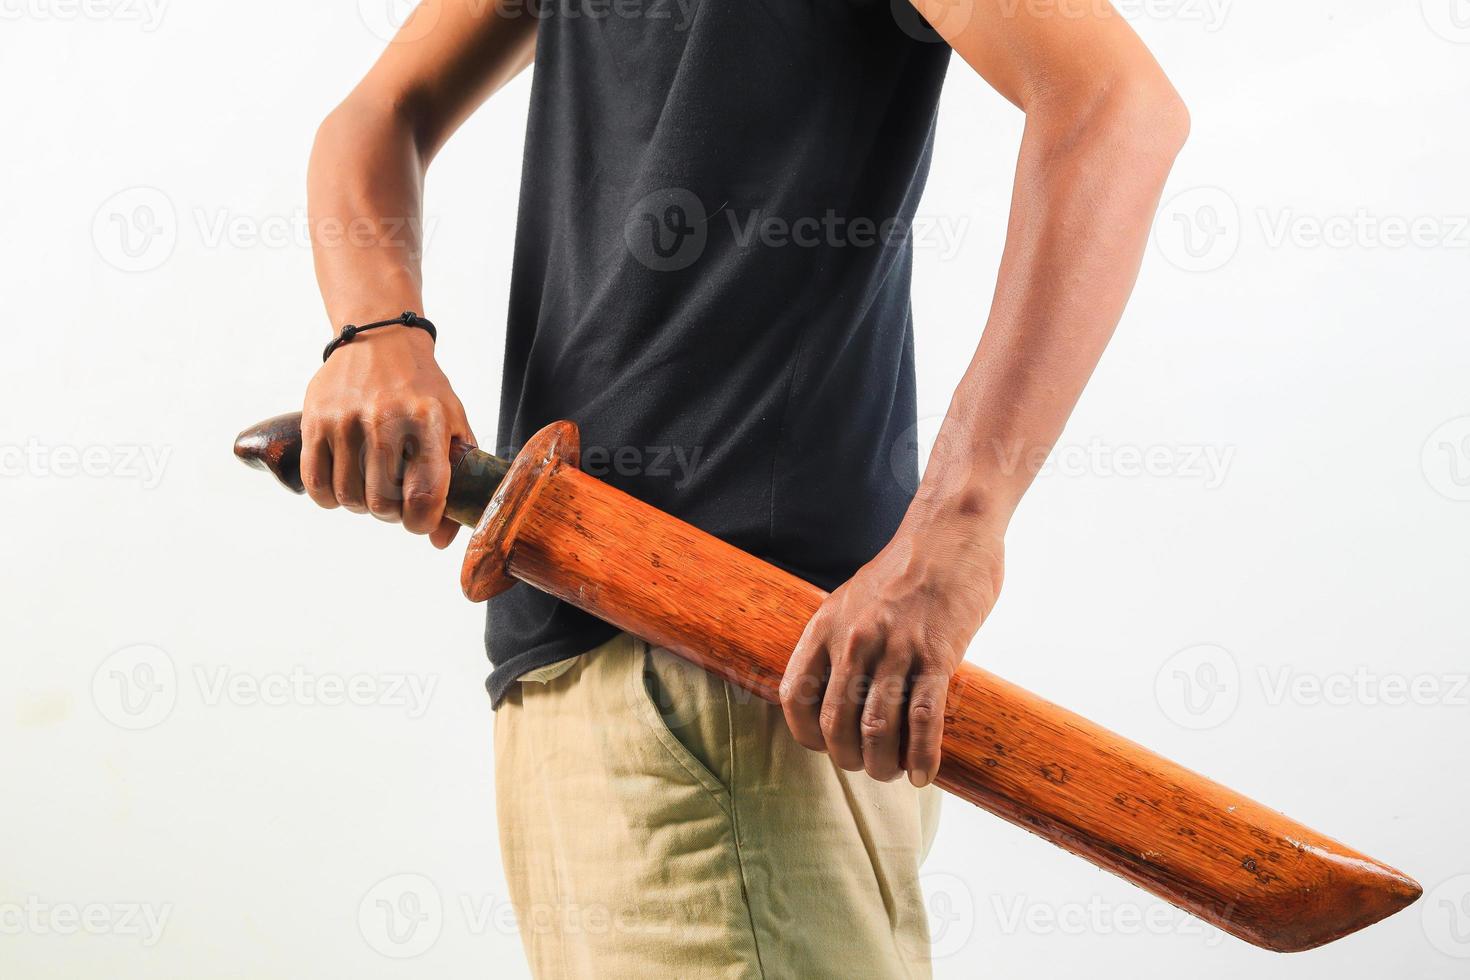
x: 656, y: 822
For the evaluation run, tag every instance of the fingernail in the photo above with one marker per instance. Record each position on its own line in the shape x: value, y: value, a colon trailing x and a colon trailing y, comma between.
x: 919, y: 778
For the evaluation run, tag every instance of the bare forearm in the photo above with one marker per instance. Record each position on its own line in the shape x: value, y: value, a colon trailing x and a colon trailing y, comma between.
x: 1087, y: 185
x: 366, y: 177
x: 365, y: 202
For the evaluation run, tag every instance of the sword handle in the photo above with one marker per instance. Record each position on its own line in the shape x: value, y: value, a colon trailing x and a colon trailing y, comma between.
x: 275, y: 446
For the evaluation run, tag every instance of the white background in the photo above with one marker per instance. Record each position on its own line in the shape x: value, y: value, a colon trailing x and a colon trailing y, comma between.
x: 158, y: 295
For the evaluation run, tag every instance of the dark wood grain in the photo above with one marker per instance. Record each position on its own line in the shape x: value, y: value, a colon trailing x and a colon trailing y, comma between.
x: 275, y: 446
x: 1243, y: 867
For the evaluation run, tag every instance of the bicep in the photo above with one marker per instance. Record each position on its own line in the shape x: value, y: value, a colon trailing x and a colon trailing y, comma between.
x: 1032, y: 51
x: 447, y: 59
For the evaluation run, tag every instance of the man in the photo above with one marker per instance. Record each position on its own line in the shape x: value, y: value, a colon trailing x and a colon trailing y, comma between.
x: 711, y: 268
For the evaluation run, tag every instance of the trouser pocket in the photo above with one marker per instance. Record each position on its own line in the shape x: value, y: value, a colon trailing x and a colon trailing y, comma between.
x: 687, y: 710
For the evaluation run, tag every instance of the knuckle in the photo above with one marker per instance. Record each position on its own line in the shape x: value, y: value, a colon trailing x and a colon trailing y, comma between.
x: 429, y: 411
x: 923, y: 711
x: 830, y: 721
x: 381, y: 505
x: 316, y: 482
x: 383, y: 415
x: 421, y: 497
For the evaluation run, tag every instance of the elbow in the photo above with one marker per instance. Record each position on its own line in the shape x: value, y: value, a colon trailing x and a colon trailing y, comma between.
x: 1156, y: 120
x: 361, y: 121
x: 1137, y: 123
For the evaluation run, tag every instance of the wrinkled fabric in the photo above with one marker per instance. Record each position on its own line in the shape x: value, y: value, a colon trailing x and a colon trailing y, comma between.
x: 655, y: 822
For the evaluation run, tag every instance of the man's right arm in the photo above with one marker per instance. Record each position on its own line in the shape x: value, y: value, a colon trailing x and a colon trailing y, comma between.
x: 379, y: 414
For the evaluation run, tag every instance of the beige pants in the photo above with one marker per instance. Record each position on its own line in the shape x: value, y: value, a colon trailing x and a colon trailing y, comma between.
x: 657, y: 823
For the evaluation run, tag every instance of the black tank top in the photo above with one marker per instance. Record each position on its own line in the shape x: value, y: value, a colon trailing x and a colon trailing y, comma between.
x: 711, y: 275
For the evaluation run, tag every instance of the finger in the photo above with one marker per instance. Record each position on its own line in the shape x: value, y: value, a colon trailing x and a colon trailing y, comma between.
x: 926, y: 724
x: 842, y: 707
x: 316, y: 469
x: 384, y: 474
x: 347, y: 468
x: 802, y: 687
x: 426, y: 474
x: 443, y: 535
x: 882, y: 719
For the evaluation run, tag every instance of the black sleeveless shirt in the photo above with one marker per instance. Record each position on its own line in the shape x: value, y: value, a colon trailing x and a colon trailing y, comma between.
x: 711, y: 275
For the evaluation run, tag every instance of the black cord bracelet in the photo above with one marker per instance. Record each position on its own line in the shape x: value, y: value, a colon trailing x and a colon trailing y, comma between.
x: 408, y: 318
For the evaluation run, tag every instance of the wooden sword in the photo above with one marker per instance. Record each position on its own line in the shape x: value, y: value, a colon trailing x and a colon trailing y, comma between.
x: 1241, y: 866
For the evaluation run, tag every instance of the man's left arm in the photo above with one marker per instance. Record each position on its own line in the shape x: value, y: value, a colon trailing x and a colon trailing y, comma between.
x: 1103, y: 126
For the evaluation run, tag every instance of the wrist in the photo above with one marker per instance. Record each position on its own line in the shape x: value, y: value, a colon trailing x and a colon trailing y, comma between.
x: 978, y: 506
x: 410, y: 321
